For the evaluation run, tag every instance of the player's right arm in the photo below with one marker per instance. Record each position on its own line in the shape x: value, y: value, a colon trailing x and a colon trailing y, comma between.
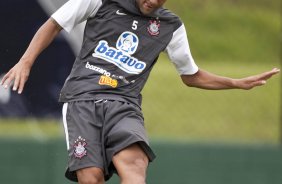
x: 67, y: 17
x: 20, y: 72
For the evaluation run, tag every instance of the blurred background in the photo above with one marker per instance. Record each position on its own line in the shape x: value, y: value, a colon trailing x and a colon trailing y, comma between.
x: 200, y: 137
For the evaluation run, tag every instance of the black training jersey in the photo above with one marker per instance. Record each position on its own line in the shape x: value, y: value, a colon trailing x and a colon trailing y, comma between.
x: 119, y: 49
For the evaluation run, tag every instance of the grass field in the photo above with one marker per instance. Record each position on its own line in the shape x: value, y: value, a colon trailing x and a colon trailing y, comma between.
x: 235, y: 38
x: 173, y: 110
x: 236, y: 30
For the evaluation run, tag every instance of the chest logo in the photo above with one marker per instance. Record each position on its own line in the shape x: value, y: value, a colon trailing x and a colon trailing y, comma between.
x: 120, y: 56
x: 154, y: 27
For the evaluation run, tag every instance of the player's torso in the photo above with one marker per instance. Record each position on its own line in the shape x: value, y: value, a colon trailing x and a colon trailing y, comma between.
x: 119, y: 49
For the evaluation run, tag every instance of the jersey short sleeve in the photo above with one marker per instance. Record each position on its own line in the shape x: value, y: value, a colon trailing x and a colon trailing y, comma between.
x: 179, y: 53
x: 74, y: 12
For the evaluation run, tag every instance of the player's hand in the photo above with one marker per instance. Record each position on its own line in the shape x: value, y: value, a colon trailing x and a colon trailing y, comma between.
x: 17, y: 76
x: 256, y: 80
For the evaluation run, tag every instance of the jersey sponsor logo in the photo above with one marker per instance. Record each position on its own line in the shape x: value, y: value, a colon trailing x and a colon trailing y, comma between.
x: 120, y: 13
x: 80, y: 148
x: 127, y: 42
x: 108, y: 81
x: 154, y: 27
x: 97, y: 69
x: 120, y: 56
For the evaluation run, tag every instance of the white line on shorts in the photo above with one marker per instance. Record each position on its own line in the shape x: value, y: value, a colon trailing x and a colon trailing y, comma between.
x: 65, y: 108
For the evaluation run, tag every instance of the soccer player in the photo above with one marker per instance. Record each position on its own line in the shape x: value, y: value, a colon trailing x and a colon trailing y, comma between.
x: 102, y: 116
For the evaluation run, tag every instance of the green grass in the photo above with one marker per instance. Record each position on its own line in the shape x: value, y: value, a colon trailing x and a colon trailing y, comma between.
x: 236, y: 30
x: 40, y: 129
x: 173, y: 110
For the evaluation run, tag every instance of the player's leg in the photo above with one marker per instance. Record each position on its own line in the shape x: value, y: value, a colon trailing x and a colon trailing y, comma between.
x: 83, y: 137
x: 131, y: 164
x: 91, y: 175
x: 127, y: 149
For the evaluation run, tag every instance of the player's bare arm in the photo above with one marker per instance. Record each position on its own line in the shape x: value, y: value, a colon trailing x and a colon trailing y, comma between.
x: 205, y: 80
x: 18, y: 75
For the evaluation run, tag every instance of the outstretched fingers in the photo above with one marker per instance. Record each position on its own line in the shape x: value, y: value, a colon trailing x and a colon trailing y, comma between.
x: 16, y: 83
x: 17, y: 77
x: 7, y: 79
x: 21, y: 84
x: 266, y: 75
x: 257, y: 80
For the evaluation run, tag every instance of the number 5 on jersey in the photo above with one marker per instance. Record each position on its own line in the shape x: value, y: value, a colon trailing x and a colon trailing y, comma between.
x: 134, y: 25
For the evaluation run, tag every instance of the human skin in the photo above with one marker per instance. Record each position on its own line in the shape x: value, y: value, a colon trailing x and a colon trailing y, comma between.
x: 149, y: 6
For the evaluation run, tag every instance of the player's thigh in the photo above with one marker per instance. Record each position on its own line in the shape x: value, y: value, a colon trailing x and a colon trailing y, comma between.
x: 131, y: 160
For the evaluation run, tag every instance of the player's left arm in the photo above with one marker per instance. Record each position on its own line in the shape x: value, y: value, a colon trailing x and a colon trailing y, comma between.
x: 205, y: 80
x: 179, y: 53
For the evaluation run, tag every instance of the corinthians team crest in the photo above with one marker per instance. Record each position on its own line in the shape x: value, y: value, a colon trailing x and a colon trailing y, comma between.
x: 79, y: 148
x: 154, y: 27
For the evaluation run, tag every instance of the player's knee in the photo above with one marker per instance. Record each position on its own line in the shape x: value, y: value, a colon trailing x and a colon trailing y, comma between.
x: 140, y: 163
x: 90, y: 176
x: 136, y: 162
x: 131, y: 164
x: 136, y: 171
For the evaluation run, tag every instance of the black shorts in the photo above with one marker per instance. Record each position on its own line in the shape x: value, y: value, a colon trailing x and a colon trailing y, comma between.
x: 97, y: 130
